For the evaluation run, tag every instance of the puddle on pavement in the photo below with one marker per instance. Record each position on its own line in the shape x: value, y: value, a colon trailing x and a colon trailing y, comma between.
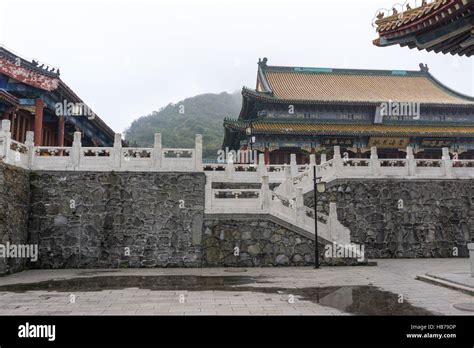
x: 156, y: 283
x: 360, y: 300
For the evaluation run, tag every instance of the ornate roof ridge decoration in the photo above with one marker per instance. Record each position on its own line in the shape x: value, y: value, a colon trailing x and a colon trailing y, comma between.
x: 262, y: 65
x: 441, y: 25
x: 34, y: 65
x: 393, y: 18
x: 307, y: 85
x: 344, y: 71
x: 33, y: 74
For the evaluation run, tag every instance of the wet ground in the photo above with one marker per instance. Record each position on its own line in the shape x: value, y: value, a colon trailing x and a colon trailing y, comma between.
x: 362, y: 300
x: 388, y: 289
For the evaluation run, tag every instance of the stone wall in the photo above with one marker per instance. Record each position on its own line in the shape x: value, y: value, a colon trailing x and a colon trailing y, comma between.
x: 156, y: 219
x: 435, y: 218
x: 260, y: 242
x: 14, y: 200
x: 88, y: 219
x: 126, y: 219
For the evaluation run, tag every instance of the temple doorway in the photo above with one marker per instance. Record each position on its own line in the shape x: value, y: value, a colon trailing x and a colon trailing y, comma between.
x: 283, y: 156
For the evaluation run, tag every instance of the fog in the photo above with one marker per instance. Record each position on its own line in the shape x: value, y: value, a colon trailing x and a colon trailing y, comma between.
x: 128, y: 58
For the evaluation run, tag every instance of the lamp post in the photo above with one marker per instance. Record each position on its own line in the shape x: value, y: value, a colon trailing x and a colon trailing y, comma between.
x: 317, y: 187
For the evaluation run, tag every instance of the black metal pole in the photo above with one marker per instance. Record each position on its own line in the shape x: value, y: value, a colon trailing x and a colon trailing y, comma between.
x: 316, y: 246
x: 251, y: 134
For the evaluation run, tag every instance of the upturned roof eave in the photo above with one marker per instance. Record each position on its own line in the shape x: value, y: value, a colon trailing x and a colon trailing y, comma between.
x: 418, y: 129
x: 356, y: 133
x: 417, y: 17
x: 9, y: 98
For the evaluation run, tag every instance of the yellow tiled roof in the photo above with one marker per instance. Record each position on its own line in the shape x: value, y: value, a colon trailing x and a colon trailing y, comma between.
x: 263, y: 127
x: 352, y: 86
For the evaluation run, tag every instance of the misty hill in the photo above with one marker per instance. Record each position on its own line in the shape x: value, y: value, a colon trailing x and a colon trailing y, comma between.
x: 179, y: 123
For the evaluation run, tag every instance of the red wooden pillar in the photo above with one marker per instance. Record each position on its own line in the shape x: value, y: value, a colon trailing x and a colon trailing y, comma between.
x: 61, y: 131
x: 8, y: 112
x: 23, y: 128
x: 267, y: 156
x: 18, y: 127
x: 14, y: 121
x: 38, y: 122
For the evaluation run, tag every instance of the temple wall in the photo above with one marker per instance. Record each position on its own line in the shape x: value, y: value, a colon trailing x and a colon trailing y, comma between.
x: 88, y: 219
x: 260, y: 242
x: 110, y: 220
x: 434, y: 219
x: 156, y: 219
x: 14, y: 199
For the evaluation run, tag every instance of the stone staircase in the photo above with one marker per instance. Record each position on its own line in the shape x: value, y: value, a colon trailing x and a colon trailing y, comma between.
x: 285, y: 203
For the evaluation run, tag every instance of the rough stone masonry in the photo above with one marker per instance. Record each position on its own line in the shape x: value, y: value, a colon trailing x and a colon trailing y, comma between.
x: 156, y: 219
x: 404, y: 218
x: 14, y: 203
x: 93, y: 219
x: 152, y: 219
x: 254, y: 242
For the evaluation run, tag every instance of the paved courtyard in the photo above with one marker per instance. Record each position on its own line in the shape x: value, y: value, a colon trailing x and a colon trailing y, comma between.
x: 219, y: 291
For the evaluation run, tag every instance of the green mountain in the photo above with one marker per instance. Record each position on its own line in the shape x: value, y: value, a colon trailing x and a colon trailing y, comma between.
x: 179, y: 123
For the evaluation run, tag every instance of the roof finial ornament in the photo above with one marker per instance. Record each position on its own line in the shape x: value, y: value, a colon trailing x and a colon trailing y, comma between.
x: 408, y: 7
x: 424, y: 2
x: 380, y: 15
x: 395, y: 11
x: 424, y: 68
x: 263, y: 62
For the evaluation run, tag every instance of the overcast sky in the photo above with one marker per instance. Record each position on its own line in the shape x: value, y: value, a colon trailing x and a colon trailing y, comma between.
x: 128, y: 58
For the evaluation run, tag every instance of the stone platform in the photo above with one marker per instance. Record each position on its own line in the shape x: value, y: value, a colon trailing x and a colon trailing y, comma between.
x: 461, y: 281
x: 231, y: 291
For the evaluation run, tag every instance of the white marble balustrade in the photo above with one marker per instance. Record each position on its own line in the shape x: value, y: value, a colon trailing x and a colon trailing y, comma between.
x: 157, y: 158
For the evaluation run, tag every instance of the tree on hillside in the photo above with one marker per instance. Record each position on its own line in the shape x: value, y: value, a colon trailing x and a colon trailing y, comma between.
x: 180, y: 122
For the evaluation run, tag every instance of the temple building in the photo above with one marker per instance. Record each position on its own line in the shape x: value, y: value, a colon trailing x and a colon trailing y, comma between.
x: 445, y: 26
x: 310, y: 110
x: 34, y: 98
